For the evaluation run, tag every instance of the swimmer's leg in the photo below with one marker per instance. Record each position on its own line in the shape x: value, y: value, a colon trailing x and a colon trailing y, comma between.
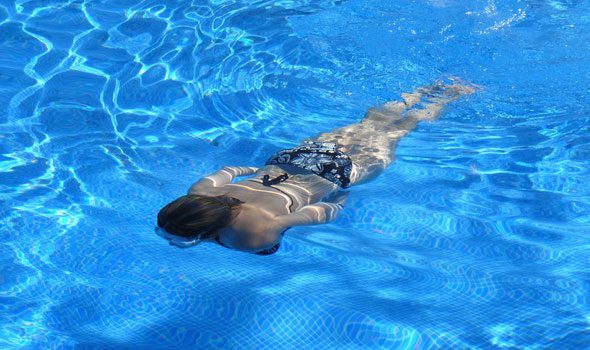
x: 371, y: 143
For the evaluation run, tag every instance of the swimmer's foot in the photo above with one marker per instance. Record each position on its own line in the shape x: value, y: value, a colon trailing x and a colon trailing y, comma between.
x: 444, y: 93
x: 437, y: 95
x: 423, y: 103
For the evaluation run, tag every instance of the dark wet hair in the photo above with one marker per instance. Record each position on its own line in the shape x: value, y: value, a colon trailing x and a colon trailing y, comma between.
x: 193, y: 214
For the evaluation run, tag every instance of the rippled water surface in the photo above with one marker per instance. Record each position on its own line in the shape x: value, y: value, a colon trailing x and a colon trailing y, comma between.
x: 476, y: 238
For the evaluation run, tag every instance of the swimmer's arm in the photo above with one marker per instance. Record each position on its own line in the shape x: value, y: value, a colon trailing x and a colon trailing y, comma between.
x: 221, y: 177
x: 313, y: 214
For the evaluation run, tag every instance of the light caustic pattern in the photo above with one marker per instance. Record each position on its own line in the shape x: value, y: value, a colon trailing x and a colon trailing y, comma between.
x: 476, y: 238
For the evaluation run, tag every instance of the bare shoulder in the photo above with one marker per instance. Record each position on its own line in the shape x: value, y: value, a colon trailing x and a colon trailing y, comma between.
x: 263, y: 227
x: 204, y: 190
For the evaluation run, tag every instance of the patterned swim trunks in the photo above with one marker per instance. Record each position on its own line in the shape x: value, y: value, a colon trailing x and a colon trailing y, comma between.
x: 322, y: 158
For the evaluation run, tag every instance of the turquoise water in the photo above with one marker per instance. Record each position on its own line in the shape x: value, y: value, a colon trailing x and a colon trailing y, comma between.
x: 477, y: 237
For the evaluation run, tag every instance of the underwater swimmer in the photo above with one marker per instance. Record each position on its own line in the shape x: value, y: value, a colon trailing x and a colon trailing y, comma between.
x: 298, y: 186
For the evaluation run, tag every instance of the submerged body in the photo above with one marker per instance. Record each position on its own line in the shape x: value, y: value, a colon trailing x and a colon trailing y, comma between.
x: 297, y: 195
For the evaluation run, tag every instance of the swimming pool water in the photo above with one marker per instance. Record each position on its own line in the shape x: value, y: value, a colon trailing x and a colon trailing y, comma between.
x: 476, y: 238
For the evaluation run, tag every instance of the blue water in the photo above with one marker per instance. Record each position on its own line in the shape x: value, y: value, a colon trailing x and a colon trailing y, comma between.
x: 477, y: 237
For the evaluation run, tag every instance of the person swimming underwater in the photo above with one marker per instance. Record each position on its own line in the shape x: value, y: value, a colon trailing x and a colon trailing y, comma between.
x: 303, y: 185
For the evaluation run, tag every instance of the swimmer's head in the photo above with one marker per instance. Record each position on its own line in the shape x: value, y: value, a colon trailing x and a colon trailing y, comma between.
x: 195, y: 215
